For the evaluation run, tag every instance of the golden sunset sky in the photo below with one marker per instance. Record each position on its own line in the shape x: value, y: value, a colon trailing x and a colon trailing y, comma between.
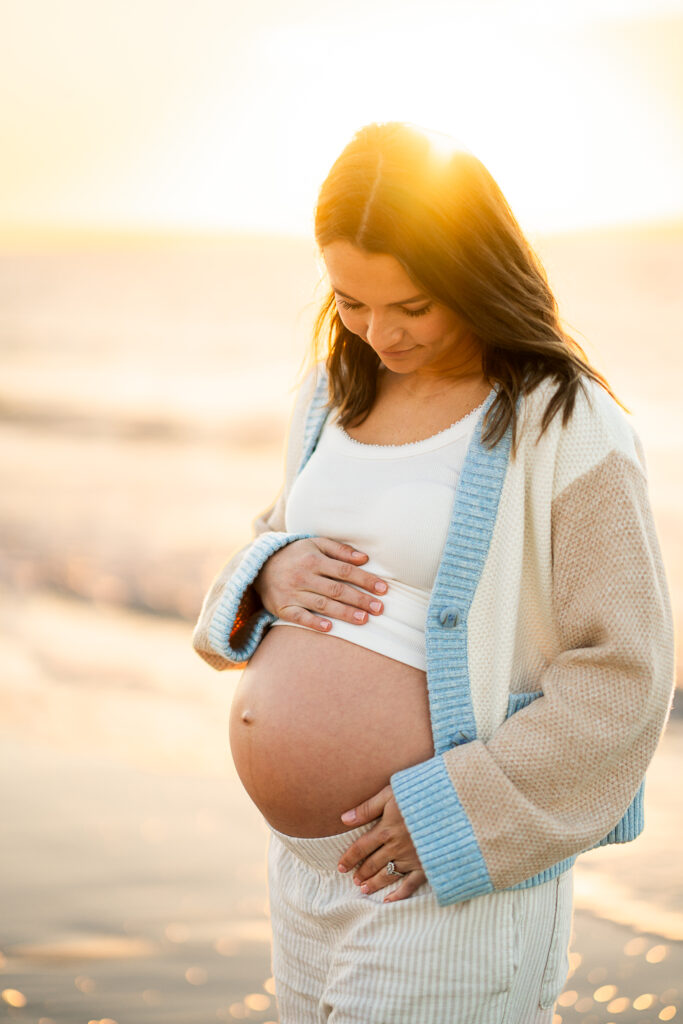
x: 218, y: 114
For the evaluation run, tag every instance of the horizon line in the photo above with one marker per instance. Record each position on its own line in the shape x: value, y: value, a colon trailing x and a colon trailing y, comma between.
x: 132, y: 233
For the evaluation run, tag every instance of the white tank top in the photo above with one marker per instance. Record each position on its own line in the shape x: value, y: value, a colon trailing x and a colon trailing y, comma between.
x: 394, y: 503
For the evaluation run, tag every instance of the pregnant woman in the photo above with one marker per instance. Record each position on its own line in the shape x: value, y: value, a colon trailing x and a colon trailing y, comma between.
x: 453, y: 622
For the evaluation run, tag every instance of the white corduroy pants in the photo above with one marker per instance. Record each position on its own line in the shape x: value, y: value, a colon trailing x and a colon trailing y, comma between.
x: 340, y: 957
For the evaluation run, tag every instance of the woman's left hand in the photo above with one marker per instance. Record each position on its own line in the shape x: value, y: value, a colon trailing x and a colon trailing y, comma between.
x: 388, y: 840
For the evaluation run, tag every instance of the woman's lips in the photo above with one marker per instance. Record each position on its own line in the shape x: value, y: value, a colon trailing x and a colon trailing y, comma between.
x: 397, y: 352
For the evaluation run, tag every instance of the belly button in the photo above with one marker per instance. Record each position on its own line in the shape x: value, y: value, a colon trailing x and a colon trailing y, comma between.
x: 247, y: 717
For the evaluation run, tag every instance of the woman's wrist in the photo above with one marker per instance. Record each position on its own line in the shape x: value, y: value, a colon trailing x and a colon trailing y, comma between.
x: 257, y: 582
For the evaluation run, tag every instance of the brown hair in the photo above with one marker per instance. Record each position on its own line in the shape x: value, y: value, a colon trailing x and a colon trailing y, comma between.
x: 440, y: 213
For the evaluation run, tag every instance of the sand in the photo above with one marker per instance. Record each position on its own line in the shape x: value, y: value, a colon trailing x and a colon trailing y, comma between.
x: 134, y: 884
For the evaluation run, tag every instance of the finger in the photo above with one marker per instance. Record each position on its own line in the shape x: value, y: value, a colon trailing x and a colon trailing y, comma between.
x: 411, y: 881
x: 343, y: 559
x: 359, y: 850
x: 410, y: 884
x: 373, y: 865
x: 339, y: 600
x: 371, y: 808
x: 337, y: 549
x: 379, y: 879
x: 295, y: 613
x: 317, y: 611
x: 366, y: 580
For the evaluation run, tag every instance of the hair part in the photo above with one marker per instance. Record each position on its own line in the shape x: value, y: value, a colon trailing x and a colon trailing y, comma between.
x: 440, y: 213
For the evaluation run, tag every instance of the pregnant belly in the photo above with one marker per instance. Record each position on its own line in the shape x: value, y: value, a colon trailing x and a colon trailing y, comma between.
x: 318, y: 724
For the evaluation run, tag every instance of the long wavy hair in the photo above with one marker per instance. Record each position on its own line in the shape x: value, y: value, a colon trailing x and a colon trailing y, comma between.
x: 397, y: 189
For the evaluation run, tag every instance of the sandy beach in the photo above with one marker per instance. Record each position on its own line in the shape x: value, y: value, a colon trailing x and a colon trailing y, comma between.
x: 134, y: 879
x: 133, y: 885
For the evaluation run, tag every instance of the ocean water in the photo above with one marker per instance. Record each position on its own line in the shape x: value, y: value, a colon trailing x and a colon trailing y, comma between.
x: 139, y: 378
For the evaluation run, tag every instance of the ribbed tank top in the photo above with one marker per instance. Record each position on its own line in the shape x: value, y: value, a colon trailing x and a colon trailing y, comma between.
x: 393, y: 502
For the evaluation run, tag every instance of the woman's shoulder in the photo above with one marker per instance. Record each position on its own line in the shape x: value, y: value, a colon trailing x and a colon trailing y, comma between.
x: 312, y: 385
x: 597, y: 428
x: 310, y: 396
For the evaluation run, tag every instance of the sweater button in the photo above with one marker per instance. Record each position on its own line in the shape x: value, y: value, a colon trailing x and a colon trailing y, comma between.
x: 448, y: 617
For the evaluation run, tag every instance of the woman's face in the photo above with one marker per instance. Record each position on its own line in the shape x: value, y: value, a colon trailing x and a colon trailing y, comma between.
x: 380, y: 303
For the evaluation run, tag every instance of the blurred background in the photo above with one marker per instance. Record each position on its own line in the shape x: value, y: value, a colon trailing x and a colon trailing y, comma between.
x: 158, y: 282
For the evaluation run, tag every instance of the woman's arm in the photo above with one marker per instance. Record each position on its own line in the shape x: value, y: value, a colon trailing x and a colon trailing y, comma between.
x: 232, y: 619
x: 559, y: 774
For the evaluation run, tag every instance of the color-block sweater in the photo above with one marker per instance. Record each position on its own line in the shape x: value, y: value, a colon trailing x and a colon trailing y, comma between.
x: 549, y: 639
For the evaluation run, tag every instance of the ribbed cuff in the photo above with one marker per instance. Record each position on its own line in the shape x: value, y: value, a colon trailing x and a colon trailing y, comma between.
x: 223, y: 620
x: 441, y: 832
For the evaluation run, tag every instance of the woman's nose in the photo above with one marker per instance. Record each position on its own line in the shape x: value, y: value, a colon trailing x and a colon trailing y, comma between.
x: 379, y: 332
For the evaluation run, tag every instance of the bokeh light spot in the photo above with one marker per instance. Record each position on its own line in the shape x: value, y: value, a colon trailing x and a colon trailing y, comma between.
x: 196, y: 975
x: 642, y: 1002
x: 635, y: 946
x: 619, y: 1005
x: 605, y: 993
x: 257, y: 1001
x: 575, y: 960
x: 13, y: 997
x: 567, y: 998
x: 84, y: 984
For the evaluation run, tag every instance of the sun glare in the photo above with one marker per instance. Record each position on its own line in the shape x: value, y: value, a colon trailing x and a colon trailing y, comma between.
x: 578, y: 122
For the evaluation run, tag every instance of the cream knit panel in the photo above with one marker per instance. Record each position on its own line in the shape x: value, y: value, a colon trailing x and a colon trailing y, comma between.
x: 520, y: 556
x: 598, y: 426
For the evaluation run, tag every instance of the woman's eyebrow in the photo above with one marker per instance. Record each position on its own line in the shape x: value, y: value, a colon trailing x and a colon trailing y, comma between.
x: 415, y: 298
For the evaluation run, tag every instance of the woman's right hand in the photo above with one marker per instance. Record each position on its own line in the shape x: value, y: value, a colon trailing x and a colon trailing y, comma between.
x: 314, y: 575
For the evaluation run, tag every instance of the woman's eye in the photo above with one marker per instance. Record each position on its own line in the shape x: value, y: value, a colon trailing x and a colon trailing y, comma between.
x: 408, y: 312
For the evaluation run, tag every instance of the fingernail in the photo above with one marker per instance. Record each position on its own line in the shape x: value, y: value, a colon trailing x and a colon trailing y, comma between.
x: 357, y: 554
x: 364, y: 889
x: 341, y: 867
x: 375, y: 606
x: 380, y: 587
x: 348, y: 816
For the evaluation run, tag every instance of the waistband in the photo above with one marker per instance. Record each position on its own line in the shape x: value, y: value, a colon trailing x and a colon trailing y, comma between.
x: 321, y: 852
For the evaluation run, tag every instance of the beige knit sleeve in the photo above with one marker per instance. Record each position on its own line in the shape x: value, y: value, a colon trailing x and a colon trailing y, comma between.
x: 270, y: 520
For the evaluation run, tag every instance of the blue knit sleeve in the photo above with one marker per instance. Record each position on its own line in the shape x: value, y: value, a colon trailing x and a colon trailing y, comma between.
x: 441, y: 832
x: 239, y: 619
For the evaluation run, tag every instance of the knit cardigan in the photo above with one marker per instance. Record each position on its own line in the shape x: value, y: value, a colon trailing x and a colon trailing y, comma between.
x: 549, y: 642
